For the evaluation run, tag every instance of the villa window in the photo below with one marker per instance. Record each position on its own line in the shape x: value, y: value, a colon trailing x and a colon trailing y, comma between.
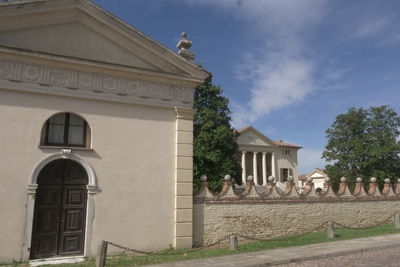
x: 285, y: 173
x: 286, y: 152
x: 66, y: 129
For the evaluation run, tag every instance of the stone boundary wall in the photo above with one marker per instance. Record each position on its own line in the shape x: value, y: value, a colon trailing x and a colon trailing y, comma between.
x: 272, y: 214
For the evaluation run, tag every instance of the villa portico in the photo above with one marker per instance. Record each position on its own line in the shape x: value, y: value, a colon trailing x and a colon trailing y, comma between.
x: 262, y: 157
x: 259, y: 164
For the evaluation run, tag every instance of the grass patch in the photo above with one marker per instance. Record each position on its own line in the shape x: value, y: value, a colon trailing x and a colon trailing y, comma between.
x: 14, y: 264
x: 175, y: 255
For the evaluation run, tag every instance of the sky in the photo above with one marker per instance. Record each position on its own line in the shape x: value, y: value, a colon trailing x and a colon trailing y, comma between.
x: 288, y: 67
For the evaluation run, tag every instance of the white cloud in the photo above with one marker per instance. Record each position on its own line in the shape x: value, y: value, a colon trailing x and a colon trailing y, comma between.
x: 369, y: 28
x: 280, y: 84
x: 335, y: 74
x: 310, y: 159
x: 372, y: 21
x: 276, y: 68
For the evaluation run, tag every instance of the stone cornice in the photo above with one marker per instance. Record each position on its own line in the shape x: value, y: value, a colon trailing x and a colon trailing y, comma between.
x: 96, y: 85
x: 258, y: 148
x: 185, y: 113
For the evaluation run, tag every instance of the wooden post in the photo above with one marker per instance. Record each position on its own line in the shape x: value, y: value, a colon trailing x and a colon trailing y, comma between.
x: 330, y: 228
x: 101, y: 254
x: 233, y: 242
x: 397, y: 221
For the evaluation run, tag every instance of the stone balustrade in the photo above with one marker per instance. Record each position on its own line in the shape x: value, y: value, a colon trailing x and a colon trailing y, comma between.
x: 290, y: 193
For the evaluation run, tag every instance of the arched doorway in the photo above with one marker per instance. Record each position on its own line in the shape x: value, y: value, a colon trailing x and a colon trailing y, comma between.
x: 60, y: 210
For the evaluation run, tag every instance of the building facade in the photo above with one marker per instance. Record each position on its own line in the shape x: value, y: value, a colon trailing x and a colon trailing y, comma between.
x: 262, y: 157
x: 95, y: 132
x: 317, y: 177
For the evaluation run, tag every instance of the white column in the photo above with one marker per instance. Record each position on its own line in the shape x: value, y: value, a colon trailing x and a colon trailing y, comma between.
x: 273, y: 174
x: 255, y: 175
x: 264, y: 168
x: 244, y: 167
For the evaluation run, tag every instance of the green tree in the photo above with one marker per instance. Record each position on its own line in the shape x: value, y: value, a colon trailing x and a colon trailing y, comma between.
x: 214, y: 146
x: 364, y: 143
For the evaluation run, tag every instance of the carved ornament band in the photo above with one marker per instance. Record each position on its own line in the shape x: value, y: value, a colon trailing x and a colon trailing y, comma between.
x: 91, y: 81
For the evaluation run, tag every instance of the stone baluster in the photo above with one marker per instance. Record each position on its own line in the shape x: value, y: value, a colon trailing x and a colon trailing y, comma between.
x: 289, y: 186
x: 387, y: 188
x: 227, y: 189
x: 397, y: 187
x: 359, y: 187
x: 373, y: 186
x: 342, y: 186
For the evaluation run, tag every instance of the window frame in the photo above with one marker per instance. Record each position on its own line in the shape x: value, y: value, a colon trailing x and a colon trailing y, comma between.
x: 66, y: 132
x: 289, y: 173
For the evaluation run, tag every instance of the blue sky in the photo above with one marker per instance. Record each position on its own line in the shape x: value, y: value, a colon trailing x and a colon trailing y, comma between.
x: 289, y: 67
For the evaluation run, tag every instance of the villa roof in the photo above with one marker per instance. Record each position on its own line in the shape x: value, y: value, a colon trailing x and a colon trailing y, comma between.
x: 303, y: 177
x: 277, y: 142
x: 281, y: 143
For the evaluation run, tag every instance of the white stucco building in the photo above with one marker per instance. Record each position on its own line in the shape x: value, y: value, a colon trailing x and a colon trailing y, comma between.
x: 96, y: 126
x: 262, y: 157
x: 317, y: 176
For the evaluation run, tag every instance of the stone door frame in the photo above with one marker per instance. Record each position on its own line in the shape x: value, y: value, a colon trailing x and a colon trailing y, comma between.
x: 31, y: 192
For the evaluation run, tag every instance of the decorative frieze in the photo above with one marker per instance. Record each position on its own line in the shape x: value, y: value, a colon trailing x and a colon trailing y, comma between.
x: 91, y: 81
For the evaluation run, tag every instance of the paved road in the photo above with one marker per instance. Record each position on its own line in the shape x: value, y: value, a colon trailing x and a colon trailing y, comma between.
x: 384, y: 257
x: 371, y: 251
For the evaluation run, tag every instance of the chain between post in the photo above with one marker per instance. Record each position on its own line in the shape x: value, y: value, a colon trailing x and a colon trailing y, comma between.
x: 271, y: 238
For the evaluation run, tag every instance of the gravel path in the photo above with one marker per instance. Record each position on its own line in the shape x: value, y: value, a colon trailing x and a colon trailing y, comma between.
x: 383, y: 258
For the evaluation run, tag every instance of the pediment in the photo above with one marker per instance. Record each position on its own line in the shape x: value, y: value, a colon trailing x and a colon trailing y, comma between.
x: 317, y: 174
x: 80, y: 29
x: 250, y: 136
x: 74, y: 39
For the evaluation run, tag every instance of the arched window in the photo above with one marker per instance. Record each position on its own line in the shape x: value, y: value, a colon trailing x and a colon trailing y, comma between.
x: 66, y: 129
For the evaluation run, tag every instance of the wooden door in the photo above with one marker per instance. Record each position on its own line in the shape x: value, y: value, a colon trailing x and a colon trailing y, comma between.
x: 60, y: 210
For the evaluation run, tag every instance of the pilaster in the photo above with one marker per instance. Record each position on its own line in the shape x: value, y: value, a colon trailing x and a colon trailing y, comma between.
x: 183, y: 217
x: 31, y: 192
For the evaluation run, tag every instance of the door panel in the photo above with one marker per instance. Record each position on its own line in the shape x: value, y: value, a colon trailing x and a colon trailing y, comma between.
x: 73, y: 218
x: 74, y: 173
x: 46, y: 221
x: 45, y: 247
x: 60, y: 210
x: 73, y: 221
x: 52, y: 173
x: 72, y: 244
